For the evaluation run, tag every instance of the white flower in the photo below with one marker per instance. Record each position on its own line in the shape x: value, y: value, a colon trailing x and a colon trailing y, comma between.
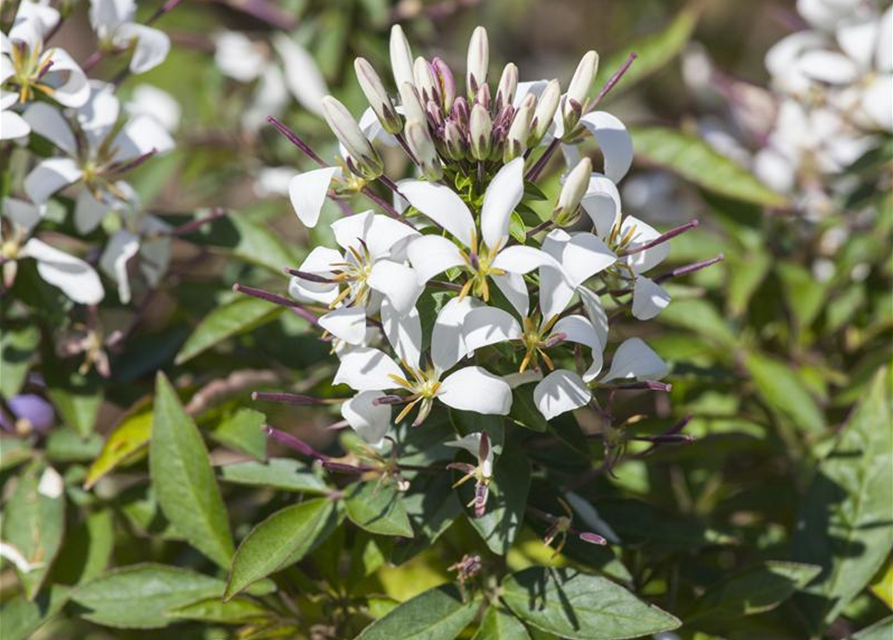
x: 112, y: 20
x: 95, y: 157
x: 469, y: 388
x: 77, y: 279
x: 148, y: 100
x: 372, y: 262
x: 487, y: 256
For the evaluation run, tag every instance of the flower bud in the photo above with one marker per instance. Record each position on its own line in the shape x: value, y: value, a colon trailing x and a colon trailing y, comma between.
x: 572, y: 193
x: 577, y: 98
x: 412, y: 106
x: 508, y: 84
x: 481, y: 130
x: 422, y: 147
x: 519, y: 132
x: 460, y: 113
x: 377, y: 96
x: 425, y: 82
x: 401, y: 56
x: 546, y: 107
x: 454, y: 141
x: 478, y: 61
x: 365, y: 159
x: 445, y: 82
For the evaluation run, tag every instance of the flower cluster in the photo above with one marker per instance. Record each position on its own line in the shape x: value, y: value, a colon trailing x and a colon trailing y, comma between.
x: 68, y: 138
x: 458, y: 292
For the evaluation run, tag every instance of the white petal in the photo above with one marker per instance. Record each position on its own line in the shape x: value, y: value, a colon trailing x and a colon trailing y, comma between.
x: 643, y: 233
x: 613, y: 140
x: 447, y: 342
x: 346, y: 323
x: 155, y: 255
x: 602, y: 203
x: 120, y: 249
x: 237, y: 57
x: 472, y: 444
x: 23, y: 213
x: 783, y: 60
x: 148, y: 100
x: 380, y: 233
x: 48, y: 122
x: 404, y: 332
x: 319, y: 261
x: 369, y: 420
x: 521, y: 259
x: 857, y: 38
x: 140, y: 136
x: 152, y: 46
x: 581, y: 255
x: 49, y: 176
x: 442, y: 205
x: 432, y: 255
x: 829, y: 66
x: 502, y: 196
x: 476, y: 389
x: 99, y: 114
x: 649, y: 298
x: 13, y: 555
x: 775, y: 170
x: 398, y: 282
x: 88, y: 211
x: 635, y: 359
x: 73, y: 276
x: 308, y: 193
x: 579, y: 329
x: 367, y: 369
x: 489, y: 325
x: 302, y: 75
x: 270, y: 98
x: 884, y: 54
x: 559, y: 392
x: 595, y: 311
x: 13, y: 126
x: 514, y: 289
x: 877, y: 101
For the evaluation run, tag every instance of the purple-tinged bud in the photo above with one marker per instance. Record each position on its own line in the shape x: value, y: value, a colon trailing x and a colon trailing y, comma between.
x: 546, y: 107
x: 446, y: 82
x: 592, y: 538
x: 30, y: 414
x: 460, y: 113
x: 480, y: 132
x: 365, y: 159
x: 519, y: 131
x: 412, y: 106
x: 478, y: 62
x: 425, y: 82
x: 577, y: 99
x: 422, y: 147
x: 483, y: 97
x: 401, y: 57
x: 572, y: 193
x: 508, y: 84
x: 377, y: 96
x: 454, y: 141
x: 435, y: 115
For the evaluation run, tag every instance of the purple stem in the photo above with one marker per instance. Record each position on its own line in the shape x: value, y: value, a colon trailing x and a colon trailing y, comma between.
x: 296, y: 140
x: 669, y: 235
x: 302, y: 447
x: 274, y: 298
x: 689, y: 268
x: 195, y: 225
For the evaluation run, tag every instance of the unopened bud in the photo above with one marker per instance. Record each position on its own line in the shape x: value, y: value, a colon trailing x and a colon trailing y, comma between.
x: 412, y: 106
x: 454, y: 141
x: 425, y: 82
x: 377, y: 96
x: 401, y: 57
x: 481, y: 131
x: 446, y: 83
x: 478, y: 61
x: 546, y: 107
x: 572, y: 193
x: 460, y: 113
x: 366, y: 161
x: 577, y: 99
x: 508, y: 84
x: 422, y: 147
x: 519, y: 132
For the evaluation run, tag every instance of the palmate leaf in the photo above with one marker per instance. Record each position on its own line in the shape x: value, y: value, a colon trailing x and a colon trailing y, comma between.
x: 184, y: 480
x: 436, y: 614
x: 581, y: 607
x: 846, y: 519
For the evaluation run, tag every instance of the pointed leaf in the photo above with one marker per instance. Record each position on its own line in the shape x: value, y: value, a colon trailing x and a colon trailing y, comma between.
x: 282, y: 474
x: 436, y: 614
x: 129, y: 437
x: 378, y: 508
x: 17, y: 345
x: 499, y: 624
x: 21, y: 617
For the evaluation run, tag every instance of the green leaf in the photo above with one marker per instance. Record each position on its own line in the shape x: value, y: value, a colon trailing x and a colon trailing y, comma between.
x: 436, y: 614
x: 67, y: 445
x: 806, y: 295
x: 693, y: 159
x: 846, y: 515
x: 432, y: 506
x: 282, y: 474
x: 34, y: 523
x: 499, y: 624
x: 281, y: 540
x: 17, y: 345
x: 13, y: 452
x: 701, y: 317
x: 128, y: 439
x: 506, y: 503
x: 581, y: 607
x: 239, y: 610
x: 184, y: 480
x: 880, y: 630
x: 242, y: 431
x: 784, y: 390
x: 250, y: 241
x: 87, y: 549
x: 226, y: 321
x: 745, y: 273
x: 755, y: 590
x: 22, y: 617
x: 524, y: 411
x: 378, y: 508
x: 654, y: 52
x: 77, y: 398
x: 140, y: 596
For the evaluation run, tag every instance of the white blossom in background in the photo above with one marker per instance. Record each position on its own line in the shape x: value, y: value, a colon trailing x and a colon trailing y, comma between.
x: 450, y: 294
x: 113, y: 23
x: 148, y: 100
